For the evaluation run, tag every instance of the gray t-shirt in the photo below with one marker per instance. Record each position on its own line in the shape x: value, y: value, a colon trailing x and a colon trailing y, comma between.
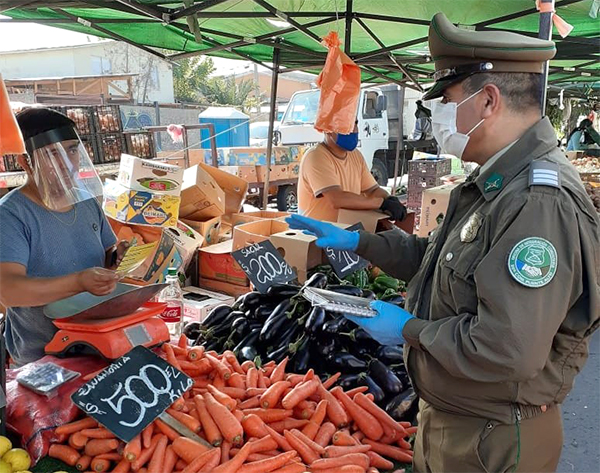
x: 48, y: 244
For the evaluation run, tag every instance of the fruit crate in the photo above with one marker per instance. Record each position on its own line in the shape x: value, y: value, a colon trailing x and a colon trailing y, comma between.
x: 429, y: 167
x: 421, y: 182
x: 89, y: 141
x: 82, y: 116
x: 107, y: 119
x: 415, y: 199
x: 140, y: 144
x: 110, y: 147
x: 8, y: 163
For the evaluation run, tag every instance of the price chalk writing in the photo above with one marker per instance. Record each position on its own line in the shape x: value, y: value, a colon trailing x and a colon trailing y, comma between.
x: 264, y: 265
x: 345, y: 263
x: 132, y: 392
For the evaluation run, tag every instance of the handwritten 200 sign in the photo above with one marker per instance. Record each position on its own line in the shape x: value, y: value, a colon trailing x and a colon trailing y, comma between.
x: 264, y: 265
x: 132, y: 392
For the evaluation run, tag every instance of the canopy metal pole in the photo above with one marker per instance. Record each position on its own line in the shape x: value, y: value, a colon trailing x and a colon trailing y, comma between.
x: 545, y: 32
x: 272, y: 115
x: 400, y: 143
x: 348, y: 33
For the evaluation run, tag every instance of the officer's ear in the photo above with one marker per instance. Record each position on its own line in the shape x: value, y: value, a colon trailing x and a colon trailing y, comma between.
x: 491, y: 100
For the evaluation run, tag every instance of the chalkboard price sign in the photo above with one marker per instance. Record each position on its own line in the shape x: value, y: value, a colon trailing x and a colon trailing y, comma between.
x: 345, y: 263
x: 132, y: 392
x: 264, y: 265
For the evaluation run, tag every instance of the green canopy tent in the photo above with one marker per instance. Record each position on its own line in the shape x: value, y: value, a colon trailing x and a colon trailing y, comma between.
x: 386, y: 38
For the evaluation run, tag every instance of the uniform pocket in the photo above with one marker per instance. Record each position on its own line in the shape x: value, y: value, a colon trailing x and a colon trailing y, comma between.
x: 496, y: 449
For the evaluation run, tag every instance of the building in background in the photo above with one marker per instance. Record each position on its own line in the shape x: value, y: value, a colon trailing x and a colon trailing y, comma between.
x: 151, y: 78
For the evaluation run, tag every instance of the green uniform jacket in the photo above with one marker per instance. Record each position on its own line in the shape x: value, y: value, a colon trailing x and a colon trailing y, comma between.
x: 505, y: 310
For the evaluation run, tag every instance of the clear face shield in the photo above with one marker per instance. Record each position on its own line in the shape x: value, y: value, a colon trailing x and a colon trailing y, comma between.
x: 62, y: 169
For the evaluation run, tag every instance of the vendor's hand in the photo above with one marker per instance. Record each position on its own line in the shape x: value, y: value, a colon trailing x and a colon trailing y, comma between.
x: 386, y: 327
x: 328, y: 235
x: 392, y: 206
x: 120, y: 251
x: 97, y: 281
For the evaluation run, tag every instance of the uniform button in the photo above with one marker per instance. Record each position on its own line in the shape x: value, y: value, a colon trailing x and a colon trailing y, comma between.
x: 489, y: 425
x: 449, y: 256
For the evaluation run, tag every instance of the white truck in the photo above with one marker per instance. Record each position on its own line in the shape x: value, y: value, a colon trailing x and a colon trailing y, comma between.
x: 377, y: 126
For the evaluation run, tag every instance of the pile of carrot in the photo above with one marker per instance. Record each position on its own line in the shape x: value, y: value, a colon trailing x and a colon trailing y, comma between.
x: 257, y: 419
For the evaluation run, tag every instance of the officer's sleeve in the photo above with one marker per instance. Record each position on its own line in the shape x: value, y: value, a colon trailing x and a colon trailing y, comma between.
x: 511, y: 335
x: 397, y: 253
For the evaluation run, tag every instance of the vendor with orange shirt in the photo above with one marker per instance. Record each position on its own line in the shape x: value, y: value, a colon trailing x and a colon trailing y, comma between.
x: 334, y: 175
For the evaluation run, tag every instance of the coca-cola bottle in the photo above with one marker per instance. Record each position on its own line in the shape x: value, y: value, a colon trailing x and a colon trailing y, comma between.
x: 172, y: 295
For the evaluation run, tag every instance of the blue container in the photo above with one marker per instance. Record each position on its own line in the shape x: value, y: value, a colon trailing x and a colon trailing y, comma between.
x: 232, y: 127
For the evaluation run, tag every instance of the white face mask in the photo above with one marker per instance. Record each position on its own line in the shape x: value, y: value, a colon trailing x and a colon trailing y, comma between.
x: 443, y: 120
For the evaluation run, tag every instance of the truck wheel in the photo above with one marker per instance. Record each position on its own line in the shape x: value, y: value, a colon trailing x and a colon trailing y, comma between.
x: 287, y: 198
x: 379, y: 172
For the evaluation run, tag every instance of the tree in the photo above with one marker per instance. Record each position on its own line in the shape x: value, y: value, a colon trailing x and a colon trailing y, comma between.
x: 189, y: 76
x: 226, y: 91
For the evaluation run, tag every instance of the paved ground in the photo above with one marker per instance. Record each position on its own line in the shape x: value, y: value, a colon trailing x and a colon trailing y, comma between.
x: 581, y: 417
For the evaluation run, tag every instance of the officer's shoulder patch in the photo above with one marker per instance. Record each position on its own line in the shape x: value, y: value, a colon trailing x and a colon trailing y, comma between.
x: 544, y: 173
x: 533, y: 262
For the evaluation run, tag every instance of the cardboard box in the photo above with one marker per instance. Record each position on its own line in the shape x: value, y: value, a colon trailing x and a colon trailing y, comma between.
x: 217, y: 263
x: 201, y: 302
x: 224, y: 287
x: 369, y: 218
x: 245, y: 217
x: 278, y: 172
x: 299, y: 251
x: 209, y: 229
x: 201, y: 196
x: 435, y: 204
x: 165, y: 256
x: 571, y: 155
x: 249, y: 233
x: 187, y: 241
x: 235, y: 188
x: 150, y: 175
x: 248, y: 173
x: 140, y: 207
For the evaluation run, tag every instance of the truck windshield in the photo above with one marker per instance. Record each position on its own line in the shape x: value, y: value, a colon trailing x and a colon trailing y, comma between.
x: 302, y: 109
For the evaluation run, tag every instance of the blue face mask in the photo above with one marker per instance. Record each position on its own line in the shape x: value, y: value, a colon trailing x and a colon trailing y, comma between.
x: 349, y: 142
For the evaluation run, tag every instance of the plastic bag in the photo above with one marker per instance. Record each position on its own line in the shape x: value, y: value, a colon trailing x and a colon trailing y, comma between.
x: 11, y: 140
x: 339, y: 82
x: 34, y: 416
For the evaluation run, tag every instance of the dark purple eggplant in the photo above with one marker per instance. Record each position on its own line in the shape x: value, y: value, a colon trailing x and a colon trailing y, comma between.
x: 374, y: 389
x: 192, y: 330
x: 336, y: 325
x: 350, y: 381
x: 247, y: 353
x: 368, y: 294
x: 404, y: 406
x: 315, y: 321
x: 283, y: 291
x: 358, y: 335
x: 360, y: 350
x: 216, y: 316
x: 395, y: 299
x: 263, y: 312
x: 240, y: 326
x: 346, y: 362
x: 301, y: 359
x: 346, y: 289
x: 276, y: 320
x: 318, y: 280
x: 326, y: 346
x: 251, y: 300
x: 385, y: 377
x: 249, y: 340
x: 390, y: 355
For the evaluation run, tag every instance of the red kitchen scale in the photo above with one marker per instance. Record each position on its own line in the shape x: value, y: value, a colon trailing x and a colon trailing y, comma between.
x: 109, y: 326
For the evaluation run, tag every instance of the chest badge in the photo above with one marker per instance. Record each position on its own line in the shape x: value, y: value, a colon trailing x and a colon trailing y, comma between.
x: 493, y: 183
x: 469, y: 230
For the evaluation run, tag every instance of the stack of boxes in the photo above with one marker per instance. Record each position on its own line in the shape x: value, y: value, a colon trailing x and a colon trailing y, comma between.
x: 424, y: 174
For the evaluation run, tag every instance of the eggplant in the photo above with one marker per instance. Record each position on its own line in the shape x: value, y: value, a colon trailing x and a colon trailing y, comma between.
x: 192, y: 330
x: 390, y: 355
x: 215, y: 344
x: 326, y: 346
x: 346, y: 289
x: 368, y: 294
x: 276, y: 320
x: 216, y: 316
x: 360, y: 350
x: 263, y: 311
x: 301, y: 358
x: 404, y: 406
x: 374, y: 389
x: 350, y: 381
x: 359, y: 335
x: 278, y: 354
x: 346, y: 362
x: 247, y: 353
x: 285, y: 291
x: 290, y: 334
x: 336, y: 325
x: 251, y: 301
x: 315, y: 321
x: 248, y: 340
x: 240, y: 326
x: 318, y: 280
x: 395, y: 299
x: 385, y: 377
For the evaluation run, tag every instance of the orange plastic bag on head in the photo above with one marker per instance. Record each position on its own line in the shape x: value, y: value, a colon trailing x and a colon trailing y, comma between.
x: 11, y: 140
x: 339, y: 82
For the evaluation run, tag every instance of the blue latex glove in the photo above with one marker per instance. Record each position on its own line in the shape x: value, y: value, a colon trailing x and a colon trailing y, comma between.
x: 328, y: 235
x: 387, y: 327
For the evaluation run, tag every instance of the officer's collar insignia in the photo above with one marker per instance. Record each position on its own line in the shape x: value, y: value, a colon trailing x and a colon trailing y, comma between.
x: 493, y: 183
x: 469, y: 230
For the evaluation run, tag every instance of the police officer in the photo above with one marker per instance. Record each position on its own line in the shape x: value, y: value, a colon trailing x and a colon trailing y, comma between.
x: 504, y: 295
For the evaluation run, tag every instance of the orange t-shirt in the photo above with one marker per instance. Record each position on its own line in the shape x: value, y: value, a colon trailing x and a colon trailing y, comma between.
x: 320, y: 170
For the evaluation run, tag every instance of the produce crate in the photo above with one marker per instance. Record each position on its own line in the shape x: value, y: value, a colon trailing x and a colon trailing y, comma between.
x: 140, y: 144
x: 107, y: 119
x: 593, y: 177
x: 420, y: 182
x: 429, y: 167
x: 110, y: 147
x: 8, y: 163
x: 82, y: 116
x: 415, y: 199
x: 89, y: 141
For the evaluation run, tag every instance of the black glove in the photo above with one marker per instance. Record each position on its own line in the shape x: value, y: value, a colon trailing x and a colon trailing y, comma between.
x: 392, y: 206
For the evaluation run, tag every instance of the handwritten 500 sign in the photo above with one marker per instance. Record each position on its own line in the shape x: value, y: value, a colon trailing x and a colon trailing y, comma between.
x: 132, y: 392
x: 264, y: 265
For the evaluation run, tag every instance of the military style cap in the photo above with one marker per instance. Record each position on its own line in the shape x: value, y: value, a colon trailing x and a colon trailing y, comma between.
x: 460, y: 53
